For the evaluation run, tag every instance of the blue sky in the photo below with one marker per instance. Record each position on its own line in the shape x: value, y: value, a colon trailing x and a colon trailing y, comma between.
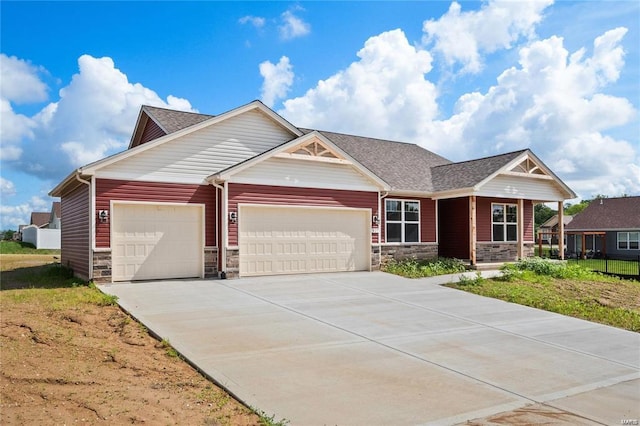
x: 464, y: 80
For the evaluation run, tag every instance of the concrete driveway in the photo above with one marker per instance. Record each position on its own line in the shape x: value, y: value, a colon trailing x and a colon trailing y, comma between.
x: 376, y: 349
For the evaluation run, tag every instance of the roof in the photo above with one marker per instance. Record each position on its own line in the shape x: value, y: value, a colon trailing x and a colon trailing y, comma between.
x: 382, y: 157
x: 608, y: 214
x: 39, y: 219
x: 55, y: 208
x: 467, y: 174
x: 553, y: 221
x: 171, y: 120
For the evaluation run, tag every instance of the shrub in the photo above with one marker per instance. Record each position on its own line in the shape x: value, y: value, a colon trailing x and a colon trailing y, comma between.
x: 412, y: 268
x: 547, y: 268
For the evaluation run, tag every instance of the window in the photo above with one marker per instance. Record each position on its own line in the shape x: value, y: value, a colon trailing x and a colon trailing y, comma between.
x: 403, y: 221
x: 628, y: 240
x: 504, y: 222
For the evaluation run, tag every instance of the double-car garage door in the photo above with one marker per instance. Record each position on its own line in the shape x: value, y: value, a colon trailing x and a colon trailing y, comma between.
x: 291, y: 240
x: 158, y: 241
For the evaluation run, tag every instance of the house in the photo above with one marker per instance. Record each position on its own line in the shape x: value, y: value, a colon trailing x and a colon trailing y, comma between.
x: 39, y: 219
x: 607, y: 226
x: 44, y: 230
x: 549, y: 230
x: 247, y: 193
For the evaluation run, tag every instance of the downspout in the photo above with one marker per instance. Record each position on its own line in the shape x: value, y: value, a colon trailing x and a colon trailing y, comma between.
x: 91, y: 225
x: 381, y: 196
x: 223, y: 249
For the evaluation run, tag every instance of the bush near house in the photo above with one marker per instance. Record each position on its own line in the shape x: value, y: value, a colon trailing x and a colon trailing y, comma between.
x: 412, y: 268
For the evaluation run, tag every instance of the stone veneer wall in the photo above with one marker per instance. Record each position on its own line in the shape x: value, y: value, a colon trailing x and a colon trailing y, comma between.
x: 211, y: 262
x: 101, y: 267
x: 415, y: 251
x: 501, y: 252
x: 375, y: 257
x: 233, y: 263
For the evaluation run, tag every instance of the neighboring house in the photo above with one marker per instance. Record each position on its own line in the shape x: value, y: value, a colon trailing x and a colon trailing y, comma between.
x: 55, y: 215
x: 248, y: 193
x: 40, y: 219
x: 549, y: 230
x: 609, y: 226
x: 44, y: 229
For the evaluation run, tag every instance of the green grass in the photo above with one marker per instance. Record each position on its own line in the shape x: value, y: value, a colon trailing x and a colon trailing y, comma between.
x: 624, y: 267
x: 18, y: 247
x: 566, y: 289
x: 412, y: 268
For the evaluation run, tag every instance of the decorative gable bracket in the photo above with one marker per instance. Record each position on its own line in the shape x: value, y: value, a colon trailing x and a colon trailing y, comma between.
x: 313, y: 150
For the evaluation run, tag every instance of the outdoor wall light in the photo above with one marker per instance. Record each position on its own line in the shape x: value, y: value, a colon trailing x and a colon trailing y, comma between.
x: 233, y: 217
x: 375, y: 219
x: 103, y: 216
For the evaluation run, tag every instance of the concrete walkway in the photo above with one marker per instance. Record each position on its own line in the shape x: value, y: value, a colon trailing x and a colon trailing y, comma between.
x: 376, y: 349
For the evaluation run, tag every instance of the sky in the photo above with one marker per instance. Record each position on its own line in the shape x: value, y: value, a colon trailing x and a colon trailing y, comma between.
x: 463, y: 79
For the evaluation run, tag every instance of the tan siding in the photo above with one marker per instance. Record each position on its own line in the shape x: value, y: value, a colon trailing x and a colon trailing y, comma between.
x: 301, y: 173
x: 260, y: 194
x: 75, y: 232
x: 107, y: 190
x: 521, y: 187
x: 193, y: 157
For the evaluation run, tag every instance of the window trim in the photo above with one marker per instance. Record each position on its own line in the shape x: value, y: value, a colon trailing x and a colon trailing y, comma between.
x: 504, y: 223
x: 627, y: 240
x: 402, y: 221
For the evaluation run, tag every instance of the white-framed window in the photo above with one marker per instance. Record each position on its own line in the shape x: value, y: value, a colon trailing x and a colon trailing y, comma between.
x: 628, y: 240
x: 402, y: 221
x: 504, y: 222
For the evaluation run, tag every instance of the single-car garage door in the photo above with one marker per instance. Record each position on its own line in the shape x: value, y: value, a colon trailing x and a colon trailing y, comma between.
x: 155, y: 241
x: 292, y: 240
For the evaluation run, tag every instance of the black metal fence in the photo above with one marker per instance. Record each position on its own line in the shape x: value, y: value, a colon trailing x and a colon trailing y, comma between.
x: 623, y: 266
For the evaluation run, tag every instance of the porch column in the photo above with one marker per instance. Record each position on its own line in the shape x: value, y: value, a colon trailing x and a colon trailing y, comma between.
x: 472, y: 229
x: 520, y: 228
x: 560, y: 229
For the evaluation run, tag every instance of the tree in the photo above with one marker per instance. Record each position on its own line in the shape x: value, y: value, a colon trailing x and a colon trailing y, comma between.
x: 8, y: 234
x: 542, y: 213
x: 573, y: 209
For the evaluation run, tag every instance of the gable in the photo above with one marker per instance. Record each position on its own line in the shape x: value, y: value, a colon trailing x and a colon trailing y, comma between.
x: 192, y: 157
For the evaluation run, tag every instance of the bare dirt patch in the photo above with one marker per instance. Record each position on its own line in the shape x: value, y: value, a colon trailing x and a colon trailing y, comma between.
x: 65, y: 359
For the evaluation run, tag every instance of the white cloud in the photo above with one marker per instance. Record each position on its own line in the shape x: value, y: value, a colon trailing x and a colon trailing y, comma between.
x: 256, y: 21
x: 553, y: 103
x: 383, y: 94
x: 93, y: 117
x: 20, y: 82
x: 7, y: 188
x: 278, y: 79
x: 13, y: 216
x: 293, y: 26
x: 461, y: 37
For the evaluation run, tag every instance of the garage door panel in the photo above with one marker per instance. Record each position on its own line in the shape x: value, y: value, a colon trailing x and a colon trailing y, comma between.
x: 156, y: 241
x: 284, y: 240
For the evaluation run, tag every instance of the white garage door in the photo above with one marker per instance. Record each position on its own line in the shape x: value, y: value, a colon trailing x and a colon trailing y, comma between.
x: 156, y: 241
x: 292, y: 240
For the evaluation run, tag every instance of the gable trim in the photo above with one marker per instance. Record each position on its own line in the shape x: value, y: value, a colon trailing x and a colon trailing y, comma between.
x: 91, y: 168
x: 506, y: 170
x: 225, y: 175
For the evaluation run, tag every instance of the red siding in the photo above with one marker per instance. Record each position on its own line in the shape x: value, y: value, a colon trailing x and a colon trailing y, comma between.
x: 453, y: 224
x: 483, y: 219
x: 151, y: 131
x: 427, y: 218
x: 284, y: 195
x: 75, y: 233
x: 107, y: 190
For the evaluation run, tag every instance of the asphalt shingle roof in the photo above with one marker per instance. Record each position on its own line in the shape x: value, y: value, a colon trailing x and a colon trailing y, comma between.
x: 172, y: 120
x: 404, y: 166
x: 608, y: 213
x: 39, y: 218
x: 466, y: 174
x: 57, y: 209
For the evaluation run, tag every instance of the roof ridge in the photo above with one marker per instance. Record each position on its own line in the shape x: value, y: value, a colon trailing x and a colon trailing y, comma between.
x: 177, y: 110
x: 484, y: 158
x: 364, y: 137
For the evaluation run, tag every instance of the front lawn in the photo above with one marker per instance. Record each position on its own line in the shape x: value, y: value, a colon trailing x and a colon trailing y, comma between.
x: 18, y: 247
x: 567, y: 289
